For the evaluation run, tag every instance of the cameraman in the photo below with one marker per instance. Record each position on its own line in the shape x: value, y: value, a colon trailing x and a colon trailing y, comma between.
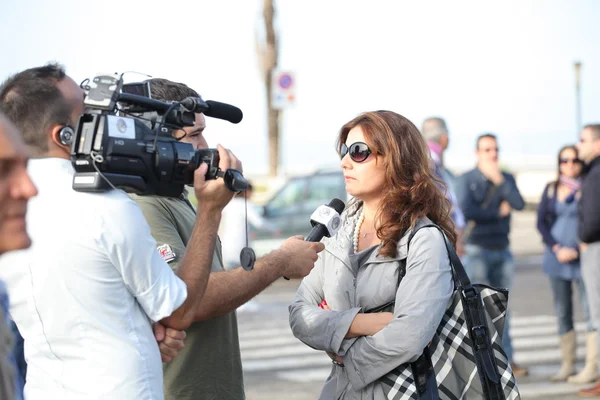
x: 210, y: 366
x: 86, y: 292
x: 83, y: 295
x: 16, y: 188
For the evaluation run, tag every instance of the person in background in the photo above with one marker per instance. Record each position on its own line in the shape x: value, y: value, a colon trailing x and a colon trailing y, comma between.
x: 487, y: 196
x: 589, y: 227
x: 557, y: 222
x: 435, y: 132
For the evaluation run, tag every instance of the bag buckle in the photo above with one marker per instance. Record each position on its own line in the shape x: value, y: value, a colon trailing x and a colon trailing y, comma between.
x: 479, y: 336
x: 470, y: 293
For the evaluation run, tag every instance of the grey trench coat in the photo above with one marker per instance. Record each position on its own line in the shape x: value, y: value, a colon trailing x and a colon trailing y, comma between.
x: 421, y: 300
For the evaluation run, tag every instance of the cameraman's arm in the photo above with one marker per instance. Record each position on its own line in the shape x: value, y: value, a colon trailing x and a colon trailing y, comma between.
x: 194, y: 268
x: 227, y: 290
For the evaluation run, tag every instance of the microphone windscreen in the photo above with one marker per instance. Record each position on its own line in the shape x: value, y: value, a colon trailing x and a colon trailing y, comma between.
x: 223, y: 111
x: 337, y: 205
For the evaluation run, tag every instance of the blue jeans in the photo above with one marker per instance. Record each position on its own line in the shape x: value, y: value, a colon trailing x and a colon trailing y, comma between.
x: 495, y: 268
x: 562, y: 291
x: 19, y: 357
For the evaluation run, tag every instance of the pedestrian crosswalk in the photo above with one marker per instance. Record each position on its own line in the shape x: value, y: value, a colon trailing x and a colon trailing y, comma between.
x: 268, y: 346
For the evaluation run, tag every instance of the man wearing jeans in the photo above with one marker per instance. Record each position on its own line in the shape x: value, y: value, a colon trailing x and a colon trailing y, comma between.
x: 486, y: 196
x: 589, y: 227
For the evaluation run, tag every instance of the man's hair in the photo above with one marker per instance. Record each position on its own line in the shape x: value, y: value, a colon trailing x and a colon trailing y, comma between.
x: 595, y: 128
x: 483, y: 136
x: 166, y: 90
x: 433, y: 129
x: 33, y: 102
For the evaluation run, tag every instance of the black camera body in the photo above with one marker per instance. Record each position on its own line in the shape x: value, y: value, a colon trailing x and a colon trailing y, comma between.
x: 137, y: 154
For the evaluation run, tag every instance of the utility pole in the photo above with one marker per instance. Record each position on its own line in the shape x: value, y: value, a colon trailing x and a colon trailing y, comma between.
x: 268, y: 56
x: 577, y: 66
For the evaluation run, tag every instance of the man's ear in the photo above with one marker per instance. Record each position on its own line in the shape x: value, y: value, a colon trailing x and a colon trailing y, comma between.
x: 62, y: 136
x: 444, y: 140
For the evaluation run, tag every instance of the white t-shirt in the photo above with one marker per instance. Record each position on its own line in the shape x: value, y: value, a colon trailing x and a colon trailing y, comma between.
x: 83, y: 295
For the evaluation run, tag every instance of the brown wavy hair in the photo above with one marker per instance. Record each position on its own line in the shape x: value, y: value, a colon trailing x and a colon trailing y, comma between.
x: 411, y: 190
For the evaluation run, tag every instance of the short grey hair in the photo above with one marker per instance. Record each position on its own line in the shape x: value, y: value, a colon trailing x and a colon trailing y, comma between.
x: 433, y: 129
x: 595, y: 128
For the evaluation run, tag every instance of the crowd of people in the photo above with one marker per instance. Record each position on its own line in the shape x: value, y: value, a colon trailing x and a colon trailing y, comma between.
x: 123, y: 296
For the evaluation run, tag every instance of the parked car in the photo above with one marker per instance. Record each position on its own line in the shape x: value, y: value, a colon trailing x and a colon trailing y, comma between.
x: 290, y: 208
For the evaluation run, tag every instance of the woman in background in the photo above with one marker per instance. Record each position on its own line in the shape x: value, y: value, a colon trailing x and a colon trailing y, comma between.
x: 557, y: 222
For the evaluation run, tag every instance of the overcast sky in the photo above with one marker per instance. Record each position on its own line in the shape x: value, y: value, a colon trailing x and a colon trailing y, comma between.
x: 505, y: 67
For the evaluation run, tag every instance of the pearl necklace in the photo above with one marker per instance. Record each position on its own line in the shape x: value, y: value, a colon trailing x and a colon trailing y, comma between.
x: 359, y: 222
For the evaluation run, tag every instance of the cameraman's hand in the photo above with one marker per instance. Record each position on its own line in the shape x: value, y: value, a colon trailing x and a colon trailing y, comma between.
x: 213, y: 194
x: 299, y: 256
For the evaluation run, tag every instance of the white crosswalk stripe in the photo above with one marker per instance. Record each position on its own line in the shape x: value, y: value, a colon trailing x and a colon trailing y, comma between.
x: 269, y: 346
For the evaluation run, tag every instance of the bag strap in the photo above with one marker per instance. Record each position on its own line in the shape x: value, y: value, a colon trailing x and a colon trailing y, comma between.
x: 458, y: 270
x: 489, y: 195
x: 476, y: 321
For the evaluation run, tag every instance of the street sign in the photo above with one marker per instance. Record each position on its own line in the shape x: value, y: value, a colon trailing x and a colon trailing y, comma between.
x: 283, y: 94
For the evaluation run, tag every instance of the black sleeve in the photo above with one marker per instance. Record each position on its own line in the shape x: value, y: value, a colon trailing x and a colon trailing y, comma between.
x: 589, y: 211
x: 510, y: 193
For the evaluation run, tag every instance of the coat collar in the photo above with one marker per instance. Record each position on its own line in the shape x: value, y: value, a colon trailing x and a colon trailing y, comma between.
x: 341, y: 244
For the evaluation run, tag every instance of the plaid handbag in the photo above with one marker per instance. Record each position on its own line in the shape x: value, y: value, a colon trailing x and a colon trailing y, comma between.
x: 465, y: 360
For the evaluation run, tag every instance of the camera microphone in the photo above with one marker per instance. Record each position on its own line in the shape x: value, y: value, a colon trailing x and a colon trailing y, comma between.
x: 213, y: 109
x: 223, y: 111
x: 326, y: 221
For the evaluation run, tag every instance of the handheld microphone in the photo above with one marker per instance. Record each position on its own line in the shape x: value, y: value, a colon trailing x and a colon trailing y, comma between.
x: 326, y: 221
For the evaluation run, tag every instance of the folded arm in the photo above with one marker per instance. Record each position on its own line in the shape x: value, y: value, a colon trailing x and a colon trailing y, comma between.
x: 320, y: 329
x: 421, y: 301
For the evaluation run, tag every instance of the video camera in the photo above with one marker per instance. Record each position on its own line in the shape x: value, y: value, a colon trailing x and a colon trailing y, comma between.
x: 124, y: 140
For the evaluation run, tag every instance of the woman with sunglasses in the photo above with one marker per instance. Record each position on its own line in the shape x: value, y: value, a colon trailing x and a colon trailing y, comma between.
x: 557, y: 223
x: 388, y: 171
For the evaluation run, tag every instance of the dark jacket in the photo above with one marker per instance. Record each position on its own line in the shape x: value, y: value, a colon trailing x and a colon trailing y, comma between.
x: 490, y: 231
x: 589, y: 205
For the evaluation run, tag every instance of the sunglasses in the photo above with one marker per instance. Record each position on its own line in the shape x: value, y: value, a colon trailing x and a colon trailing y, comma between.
x: 490, y: 149
x: 569, y: 160
x: 358, y: 151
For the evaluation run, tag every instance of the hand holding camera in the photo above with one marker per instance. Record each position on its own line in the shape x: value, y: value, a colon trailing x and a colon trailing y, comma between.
x: 125, y: 140
x: 216, y: 193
